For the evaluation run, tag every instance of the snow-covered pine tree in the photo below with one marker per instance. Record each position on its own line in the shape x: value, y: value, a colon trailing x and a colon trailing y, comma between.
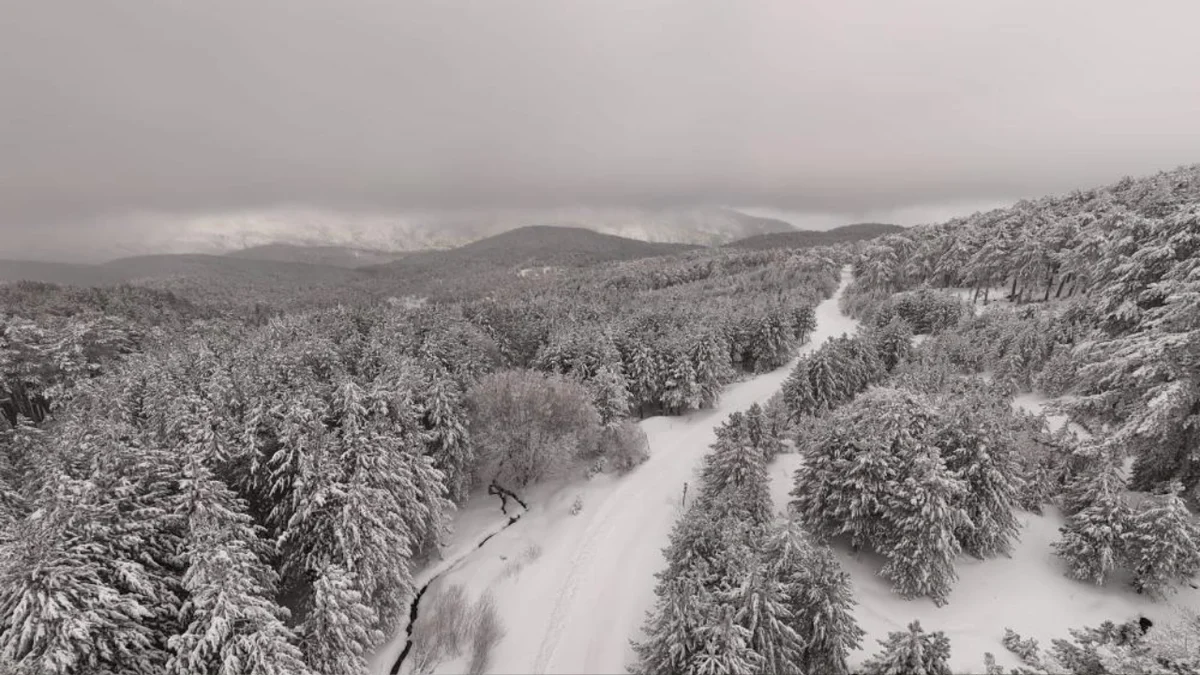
x: 679, y: 391
x: 911, y: 652
x: 976, y: 442
x: 643, y: 369
x: 818, y: 595
x: 1092, y: 541
x: 892, y: 342
x: 1058, y: 374
x: 827, y: 381
x: 760, y: 432
x: 736, y: 469
x: 610, y: 394
x: 726, y: 647
x: 444, y: 417
x: 923, y: 517
x: 1162, y: 543
x: 673, y: 628
x: 855, y: 467
x: 710, y: 360
x: 762, y: 609
x: 231, y: 622
x: 338, y: 630
x: 798, y: 395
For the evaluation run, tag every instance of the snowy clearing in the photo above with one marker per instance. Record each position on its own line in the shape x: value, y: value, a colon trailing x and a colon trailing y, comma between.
x: 576, y: 606
x: 1028, y: 592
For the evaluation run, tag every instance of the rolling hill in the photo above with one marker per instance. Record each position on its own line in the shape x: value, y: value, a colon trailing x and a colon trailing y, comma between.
x: 810, y: 238
x: 335, y: 256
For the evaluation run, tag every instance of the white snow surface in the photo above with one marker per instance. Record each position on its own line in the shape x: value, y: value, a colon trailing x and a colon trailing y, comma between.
x: 575, y: 607
x: 1028, y: 592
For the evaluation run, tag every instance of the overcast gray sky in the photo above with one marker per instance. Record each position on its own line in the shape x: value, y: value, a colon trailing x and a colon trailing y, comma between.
x: 214, y: 106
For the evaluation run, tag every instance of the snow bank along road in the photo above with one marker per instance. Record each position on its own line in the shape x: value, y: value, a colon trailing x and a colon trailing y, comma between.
x: 575, y: 608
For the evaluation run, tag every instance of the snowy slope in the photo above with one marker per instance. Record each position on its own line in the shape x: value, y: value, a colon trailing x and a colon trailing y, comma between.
x: 575, y: 607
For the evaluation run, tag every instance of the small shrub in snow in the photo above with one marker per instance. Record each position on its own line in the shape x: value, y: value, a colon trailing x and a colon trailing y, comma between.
x: 911, y: 652
x: 577, y: 506
x: 624, y: 446
x: 597, y: 467
x: 990, y: 667
x: 514, y: 567
x: 1025, y: 649
x: 442, y: 630
x: 488, y: 631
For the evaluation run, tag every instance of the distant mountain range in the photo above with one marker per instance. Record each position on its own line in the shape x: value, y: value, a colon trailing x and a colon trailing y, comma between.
x: 810, y: 238
x: 277, y: 270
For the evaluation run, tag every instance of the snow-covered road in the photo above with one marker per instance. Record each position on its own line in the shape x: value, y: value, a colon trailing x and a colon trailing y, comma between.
x: 573, y: 590
x: 606, y: 583
x: 574, y: 607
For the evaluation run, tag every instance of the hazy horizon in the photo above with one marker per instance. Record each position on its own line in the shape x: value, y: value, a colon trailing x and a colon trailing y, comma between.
x: 127, y: 125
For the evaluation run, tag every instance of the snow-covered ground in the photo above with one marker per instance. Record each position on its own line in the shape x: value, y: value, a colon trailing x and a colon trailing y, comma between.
x: 573, y: 590
x: 1028, y: 592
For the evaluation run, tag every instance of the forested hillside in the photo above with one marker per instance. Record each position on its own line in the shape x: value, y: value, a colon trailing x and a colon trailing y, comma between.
x: 199, y: 490
x: 911, y: 456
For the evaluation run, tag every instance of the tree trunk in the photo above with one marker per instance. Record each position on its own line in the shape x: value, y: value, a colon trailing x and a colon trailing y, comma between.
x: 1049, y: 285
x: 1013, y: 293
x: 1061, y: 283
x: 986, y: 292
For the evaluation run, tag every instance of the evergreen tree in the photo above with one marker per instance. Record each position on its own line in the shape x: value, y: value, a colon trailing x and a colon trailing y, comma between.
x: 444, y: 417
x: 797, y: 390
x: 979, y: 450
x: 337, y: 633
x: 762, y: 610
x: 818, y: 595
x: 914, y: 652
x: 1093, y: 543
x: 610, y: 395
x: 232, y: 623
x: 922, y: 520
x: 893, y: 343
x: 738, y: 470
x: 673, y: 628
x: 1162, y: 543
x: 726, y: 647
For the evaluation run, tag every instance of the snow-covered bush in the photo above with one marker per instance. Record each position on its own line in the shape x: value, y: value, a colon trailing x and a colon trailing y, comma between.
x: 488, y: 631
x: 443, y: 629
x: 926, y: 311
x: 577, y: 506
x: 624, y: 446
x: 912, y: 652
x: 528, y: 426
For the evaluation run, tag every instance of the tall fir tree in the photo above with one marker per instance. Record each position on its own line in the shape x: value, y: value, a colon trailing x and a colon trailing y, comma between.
x: 1093, y: 538
x: 232, y: 624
